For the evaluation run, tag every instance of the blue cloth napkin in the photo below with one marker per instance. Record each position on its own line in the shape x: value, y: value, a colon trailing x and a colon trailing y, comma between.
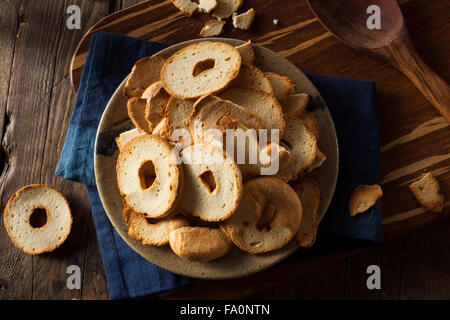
x: 110, y: 59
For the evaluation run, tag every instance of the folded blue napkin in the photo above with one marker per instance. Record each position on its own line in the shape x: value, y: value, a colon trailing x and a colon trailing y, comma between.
x: 110, y: 59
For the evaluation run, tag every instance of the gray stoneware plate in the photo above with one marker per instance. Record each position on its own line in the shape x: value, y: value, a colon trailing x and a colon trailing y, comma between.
x: 237, y: 263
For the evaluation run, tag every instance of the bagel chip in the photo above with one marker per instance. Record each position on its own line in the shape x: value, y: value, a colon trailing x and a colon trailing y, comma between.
x: 363, y: 198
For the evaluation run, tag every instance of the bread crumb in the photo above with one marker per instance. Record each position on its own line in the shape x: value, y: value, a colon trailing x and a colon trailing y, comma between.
x: 207, y: 6
x: 363, y: 198
x: 244, y: 21
x: 225, y: 8
x: 212, y: 28
x: 186, y: 6
x: 426, y: 191
x: 276, y: 21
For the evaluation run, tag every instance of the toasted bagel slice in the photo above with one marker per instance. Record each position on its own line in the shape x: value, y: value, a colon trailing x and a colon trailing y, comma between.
x: 37, y: 218
x: 213, y: 183
x: 136, y: 111
x: 259, y: 103
x: 210, y: 111
x: 247, y: 53
x: 282, y: 86
x: 303, y: 147
x: 144, y: 230
x: 149, y: 177
x: 200, y: 68
x: 267, y: 218
x: 199, y: 243
x: 251, y: 77
x: 145, y: 72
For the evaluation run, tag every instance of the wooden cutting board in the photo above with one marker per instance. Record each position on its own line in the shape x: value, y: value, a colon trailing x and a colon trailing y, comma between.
x: 414, y: 138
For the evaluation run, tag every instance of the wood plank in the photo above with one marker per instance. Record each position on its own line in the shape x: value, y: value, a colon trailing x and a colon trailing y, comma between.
x: 38, y: 140
x: 426, y: 260
x: 22, y: 141
x: 391, y: 269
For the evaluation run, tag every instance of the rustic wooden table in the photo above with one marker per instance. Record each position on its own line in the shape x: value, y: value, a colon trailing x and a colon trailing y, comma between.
x: 36, y: 101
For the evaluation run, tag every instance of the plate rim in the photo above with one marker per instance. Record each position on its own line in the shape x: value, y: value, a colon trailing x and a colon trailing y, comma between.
x: 125, y: 236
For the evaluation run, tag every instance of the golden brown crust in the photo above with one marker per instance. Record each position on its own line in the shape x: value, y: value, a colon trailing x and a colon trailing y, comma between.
x: 236, y: 183
x: 136, y: 222
x: 8, y: 228
x: 363, y: 198
x: 199, y: 243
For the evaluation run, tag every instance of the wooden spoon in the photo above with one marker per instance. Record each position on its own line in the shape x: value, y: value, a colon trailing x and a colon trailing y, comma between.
x: 347, y: 21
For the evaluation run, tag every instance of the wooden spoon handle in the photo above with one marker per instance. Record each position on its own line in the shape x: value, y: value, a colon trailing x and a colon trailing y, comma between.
x: 404, y: 57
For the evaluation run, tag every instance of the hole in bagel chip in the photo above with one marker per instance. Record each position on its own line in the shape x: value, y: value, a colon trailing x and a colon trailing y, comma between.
x: 267, y: 216
x: 147, y: 174
x: 152, y: 220
x: 203, y: 66
x: 208, y: 179
x: 285, y: 144
x: 38, y: 218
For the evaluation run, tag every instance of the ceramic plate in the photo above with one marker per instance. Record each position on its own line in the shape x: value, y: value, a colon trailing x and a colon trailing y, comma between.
x: 237, y: 263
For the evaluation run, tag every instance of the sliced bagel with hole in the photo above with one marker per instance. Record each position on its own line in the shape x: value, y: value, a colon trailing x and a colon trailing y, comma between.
x: 295, y: 104
x: 149, y: 177
x: 145, y: 72
x: 200, y: 68
x: 150, y: 232
x: 282, y: 86
x: 267, y: 218
x: 309, y: 193
x: 247, y: 53
x: 303, y: 147
x: 210, y: 110
x: 213, y: 183
x: 136, y: 111
x: 251, y: 77
x: 37, y: 218
x: 259, y: 103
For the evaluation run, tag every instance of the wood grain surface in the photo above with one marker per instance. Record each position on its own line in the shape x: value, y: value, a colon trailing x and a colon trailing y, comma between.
x: 36, y: 102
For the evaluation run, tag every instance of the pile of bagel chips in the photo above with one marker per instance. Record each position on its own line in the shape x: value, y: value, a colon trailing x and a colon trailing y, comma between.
x: 220, y: 155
